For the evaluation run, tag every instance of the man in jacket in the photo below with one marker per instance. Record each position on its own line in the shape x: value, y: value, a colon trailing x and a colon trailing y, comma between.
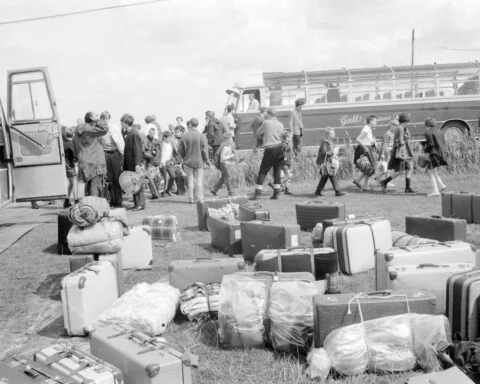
x: 273, y: 155
x: 214, y: 131
x: 256, y: 124
x: 193, y: 148
x: 133, y: 157
x: 152, y: 153
x: 92, y: 166
x: 296, y: 125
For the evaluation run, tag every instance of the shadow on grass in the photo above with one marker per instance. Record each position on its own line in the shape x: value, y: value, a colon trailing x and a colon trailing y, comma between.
x: 50, y: 287
x: 52, y: 249
x: 208, y: 247
x: 54, y: 329
x: 191, y: 229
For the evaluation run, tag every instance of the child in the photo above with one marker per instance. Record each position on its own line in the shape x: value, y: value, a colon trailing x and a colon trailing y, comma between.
x: 386, y: 149
x: 70, y: 160
x: 224, y: 160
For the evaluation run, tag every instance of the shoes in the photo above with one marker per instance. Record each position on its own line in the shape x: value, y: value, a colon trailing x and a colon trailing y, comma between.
x: 318, y: 193
x: 390, y: 184
x: 339, y: 193
x: 358, y: 185
x: 138, y: 208
x: 52, y: 202
x: 168, y: 193
x: 441, y: 189
x: 66, y: 203
x: 154, y: 198
x: 35, y: 206
x: 433, y: 194
x: 213, y: 193
x: 162, y: 194
x: 409, y: 190
x: 287, y: 192
x: 257, y: 195
x: 384, y: 186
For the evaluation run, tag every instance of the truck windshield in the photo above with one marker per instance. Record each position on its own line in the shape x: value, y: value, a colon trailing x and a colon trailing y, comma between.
x: 232, y: 99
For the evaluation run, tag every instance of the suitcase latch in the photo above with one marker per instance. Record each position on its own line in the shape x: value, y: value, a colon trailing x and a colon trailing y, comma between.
x: 151, y: 349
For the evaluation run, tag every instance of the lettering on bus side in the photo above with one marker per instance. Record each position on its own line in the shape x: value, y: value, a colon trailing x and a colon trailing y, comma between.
x: 355, y: 119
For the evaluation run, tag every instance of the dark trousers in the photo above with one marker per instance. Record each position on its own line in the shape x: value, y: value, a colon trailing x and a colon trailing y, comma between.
x: 94, y: 186
x: 214, y: 150
x: 297, y: 144
x: 139, y: 198
x: 272, y: 157
x: 114, y: 169
x: 168, y: 169
x: 323, y: 182
x: 225, y: 178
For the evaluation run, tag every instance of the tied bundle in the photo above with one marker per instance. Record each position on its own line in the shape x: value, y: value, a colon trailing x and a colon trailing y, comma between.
x: 199, y: 301
x: 89, y: 211
x: 227, y: 212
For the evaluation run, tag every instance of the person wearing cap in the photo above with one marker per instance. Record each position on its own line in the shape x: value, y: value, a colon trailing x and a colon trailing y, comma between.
x: 272, y: 131
x: 295, y: 124
x: 226, y: 159
x: 401, y: 156
x: 166, y: 163
x: 70, y: 160
x: 113, y: 146
x: 193, y: 148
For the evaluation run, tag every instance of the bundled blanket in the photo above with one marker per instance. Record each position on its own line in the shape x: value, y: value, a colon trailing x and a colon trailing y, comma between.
x: 228, y: 211
x: 89, y: 211
x: 200, y: 301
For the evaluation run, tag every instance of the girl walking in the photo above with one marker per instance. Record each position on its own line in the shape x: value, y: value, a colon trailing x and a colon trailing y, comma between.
x: 436, y: 147
x: 328, y: 163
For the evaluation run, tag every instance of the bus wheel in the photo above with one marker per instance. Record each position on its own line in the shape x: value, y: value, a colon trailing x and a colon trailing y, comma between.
x: 454, y: 131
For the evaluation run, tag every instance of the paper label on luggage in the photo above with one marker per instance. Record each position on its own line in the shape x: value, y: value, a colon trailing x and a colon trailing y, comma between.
x: 238, y: 235
x: 294, y: 240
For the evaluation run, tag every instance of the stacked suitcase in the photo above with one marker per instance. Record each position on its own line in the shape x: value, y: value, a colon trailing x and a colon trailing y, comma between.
x: 253, y: 211
x: 311, y: 212
x: 202, y: 207
x: 461, y: 205
x: 225, y: 235
x: 436, y: 228
x: 17, y: 371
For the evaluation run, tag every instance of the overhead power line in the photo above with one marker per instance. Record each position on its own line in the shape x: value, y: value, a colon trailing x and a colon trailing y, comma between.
x: 78, y: 12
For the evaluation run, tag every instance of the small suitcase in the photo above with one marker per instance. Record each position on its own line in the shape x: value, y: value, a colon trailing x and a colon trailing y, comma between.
x: 437, y: 228
x: 137, y: 248
x: 461, y: 205
x: 318, y: 261
x: 402, y: 239
x: 225, y: 235
x: 86, y: 293
x: 331, y: 312
x: 463, y: 291
x: 182, y: 273
x: 258, y: 235
x: 253, y: 211
x: 432, y: 277
x: 439, y: 253
x: 143, y: 359
x: 163, y: 227
x: 346, y: 221
x: 16, y: 371
x: 451, y: 375
x: 64, y: 225
x: 356, y: 244
x: 202, y: 207
x: 309, y: 213
x: 68, y: 360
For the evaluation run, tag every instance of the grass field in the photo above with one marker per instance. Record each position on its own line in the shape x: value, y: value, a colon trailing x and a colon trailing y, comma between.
x: 30, y: 306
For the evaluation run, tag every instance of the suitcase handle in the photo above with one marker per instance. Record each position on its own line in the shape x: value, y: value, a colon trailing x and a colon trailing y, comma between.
x: 386, y: 292
x: 204, y: 259
x: 428, y: 265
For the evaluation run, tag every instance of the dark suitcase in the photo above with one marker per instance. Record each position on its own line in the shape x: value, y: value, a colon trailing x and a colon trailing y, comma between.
x: 463, y: 292
x: 202, y: 207
x: 461, y: 205
x: 253, y: 211
x: 258, y: 235
x: 345, y: 221
x: 16, y: 371
x: 436, y: 228
x: 318, y: 261
x: 309, y: 213
x: 64, y: 225
x: 225, y: 235
x: 331, y: 312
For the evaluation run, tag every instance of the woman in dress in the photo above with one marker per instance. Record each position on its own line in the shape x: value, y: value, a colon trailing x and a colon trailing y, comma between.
x: 436, y: 147
x: 401, y: 155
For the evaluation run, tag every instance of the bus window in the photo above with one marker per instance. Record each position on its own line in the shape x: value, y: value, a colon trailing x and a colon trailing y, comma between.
x: 290, y: 94
x: 30, y: 99
x: 245, y: 100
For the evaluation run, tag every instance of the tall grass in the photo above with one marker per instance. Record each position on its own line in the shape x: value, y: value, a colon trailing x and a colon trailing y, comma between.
x: 464, y: 157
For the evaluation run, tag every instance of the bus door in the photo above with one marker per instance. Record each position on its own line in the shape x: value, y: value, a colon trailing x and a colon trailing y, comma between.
x: 35, y: 137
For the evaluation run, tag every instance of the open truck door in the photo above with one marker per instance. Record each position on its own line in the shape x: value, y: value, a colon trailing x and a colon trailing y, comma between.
x: 35, y: 137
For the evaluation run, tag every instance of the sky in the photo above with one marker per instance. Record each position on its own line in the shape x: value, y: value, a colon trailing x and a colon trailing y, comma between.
x: 177, y: 57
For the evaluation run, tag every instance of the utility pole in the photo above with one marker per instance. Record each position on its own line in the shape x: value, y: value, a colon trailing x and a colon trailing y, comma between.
x: 413, y: 46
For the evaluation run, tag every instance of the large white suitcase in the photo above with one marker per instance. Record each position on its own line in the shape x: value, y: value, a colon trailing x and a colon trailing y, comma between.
x: 356, y: 243
x: 137, y: 248
x: 439, y: 253
x: 84, y: 368
x: 430, y: 277
x: 86, y: 293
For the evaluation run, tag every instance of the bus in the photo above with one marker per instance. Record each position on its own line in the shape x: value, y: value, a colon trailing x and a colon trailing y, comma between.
x: 32, y: 161
x: 343, y: 98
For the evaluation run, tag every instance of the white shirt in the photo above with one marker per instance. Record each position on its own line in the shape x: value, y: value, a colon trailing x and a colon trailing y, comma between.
x: 253, y: 106
x: 167, y: 151
x: 113, y: 137
x: 365, y: 137
x: 226, y: 156
x: 145, y: 129
x: 229, y: 121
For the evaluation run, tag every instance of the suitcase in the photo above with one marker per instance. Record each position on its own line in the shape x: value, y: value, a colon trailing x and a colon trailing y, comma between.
x: 448, y: 252
x: 432, y: 277
x: 182, y: 273
x: 120, y: 213
x: 225, y: 235
x: 258, y: 235
x: 202, y: 207
x: 137, y: 248
x: 461, y: 205
x: 67, y: 359
x: 356, y: 244
x: 463, y: 291
x: 86, y: 293
x: 318, y: 261
x: 402, y: 239
x: 448, y: 376
x: 437, y: 228
x: 142, y: 359
x: 253, y: 211
x: 15, y: 371
x: 64, y: 225
x: 345, y: 221
x: 331, y: 312
x: 163, y: 227
x: 78, y: 261
x: 309, y: 213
